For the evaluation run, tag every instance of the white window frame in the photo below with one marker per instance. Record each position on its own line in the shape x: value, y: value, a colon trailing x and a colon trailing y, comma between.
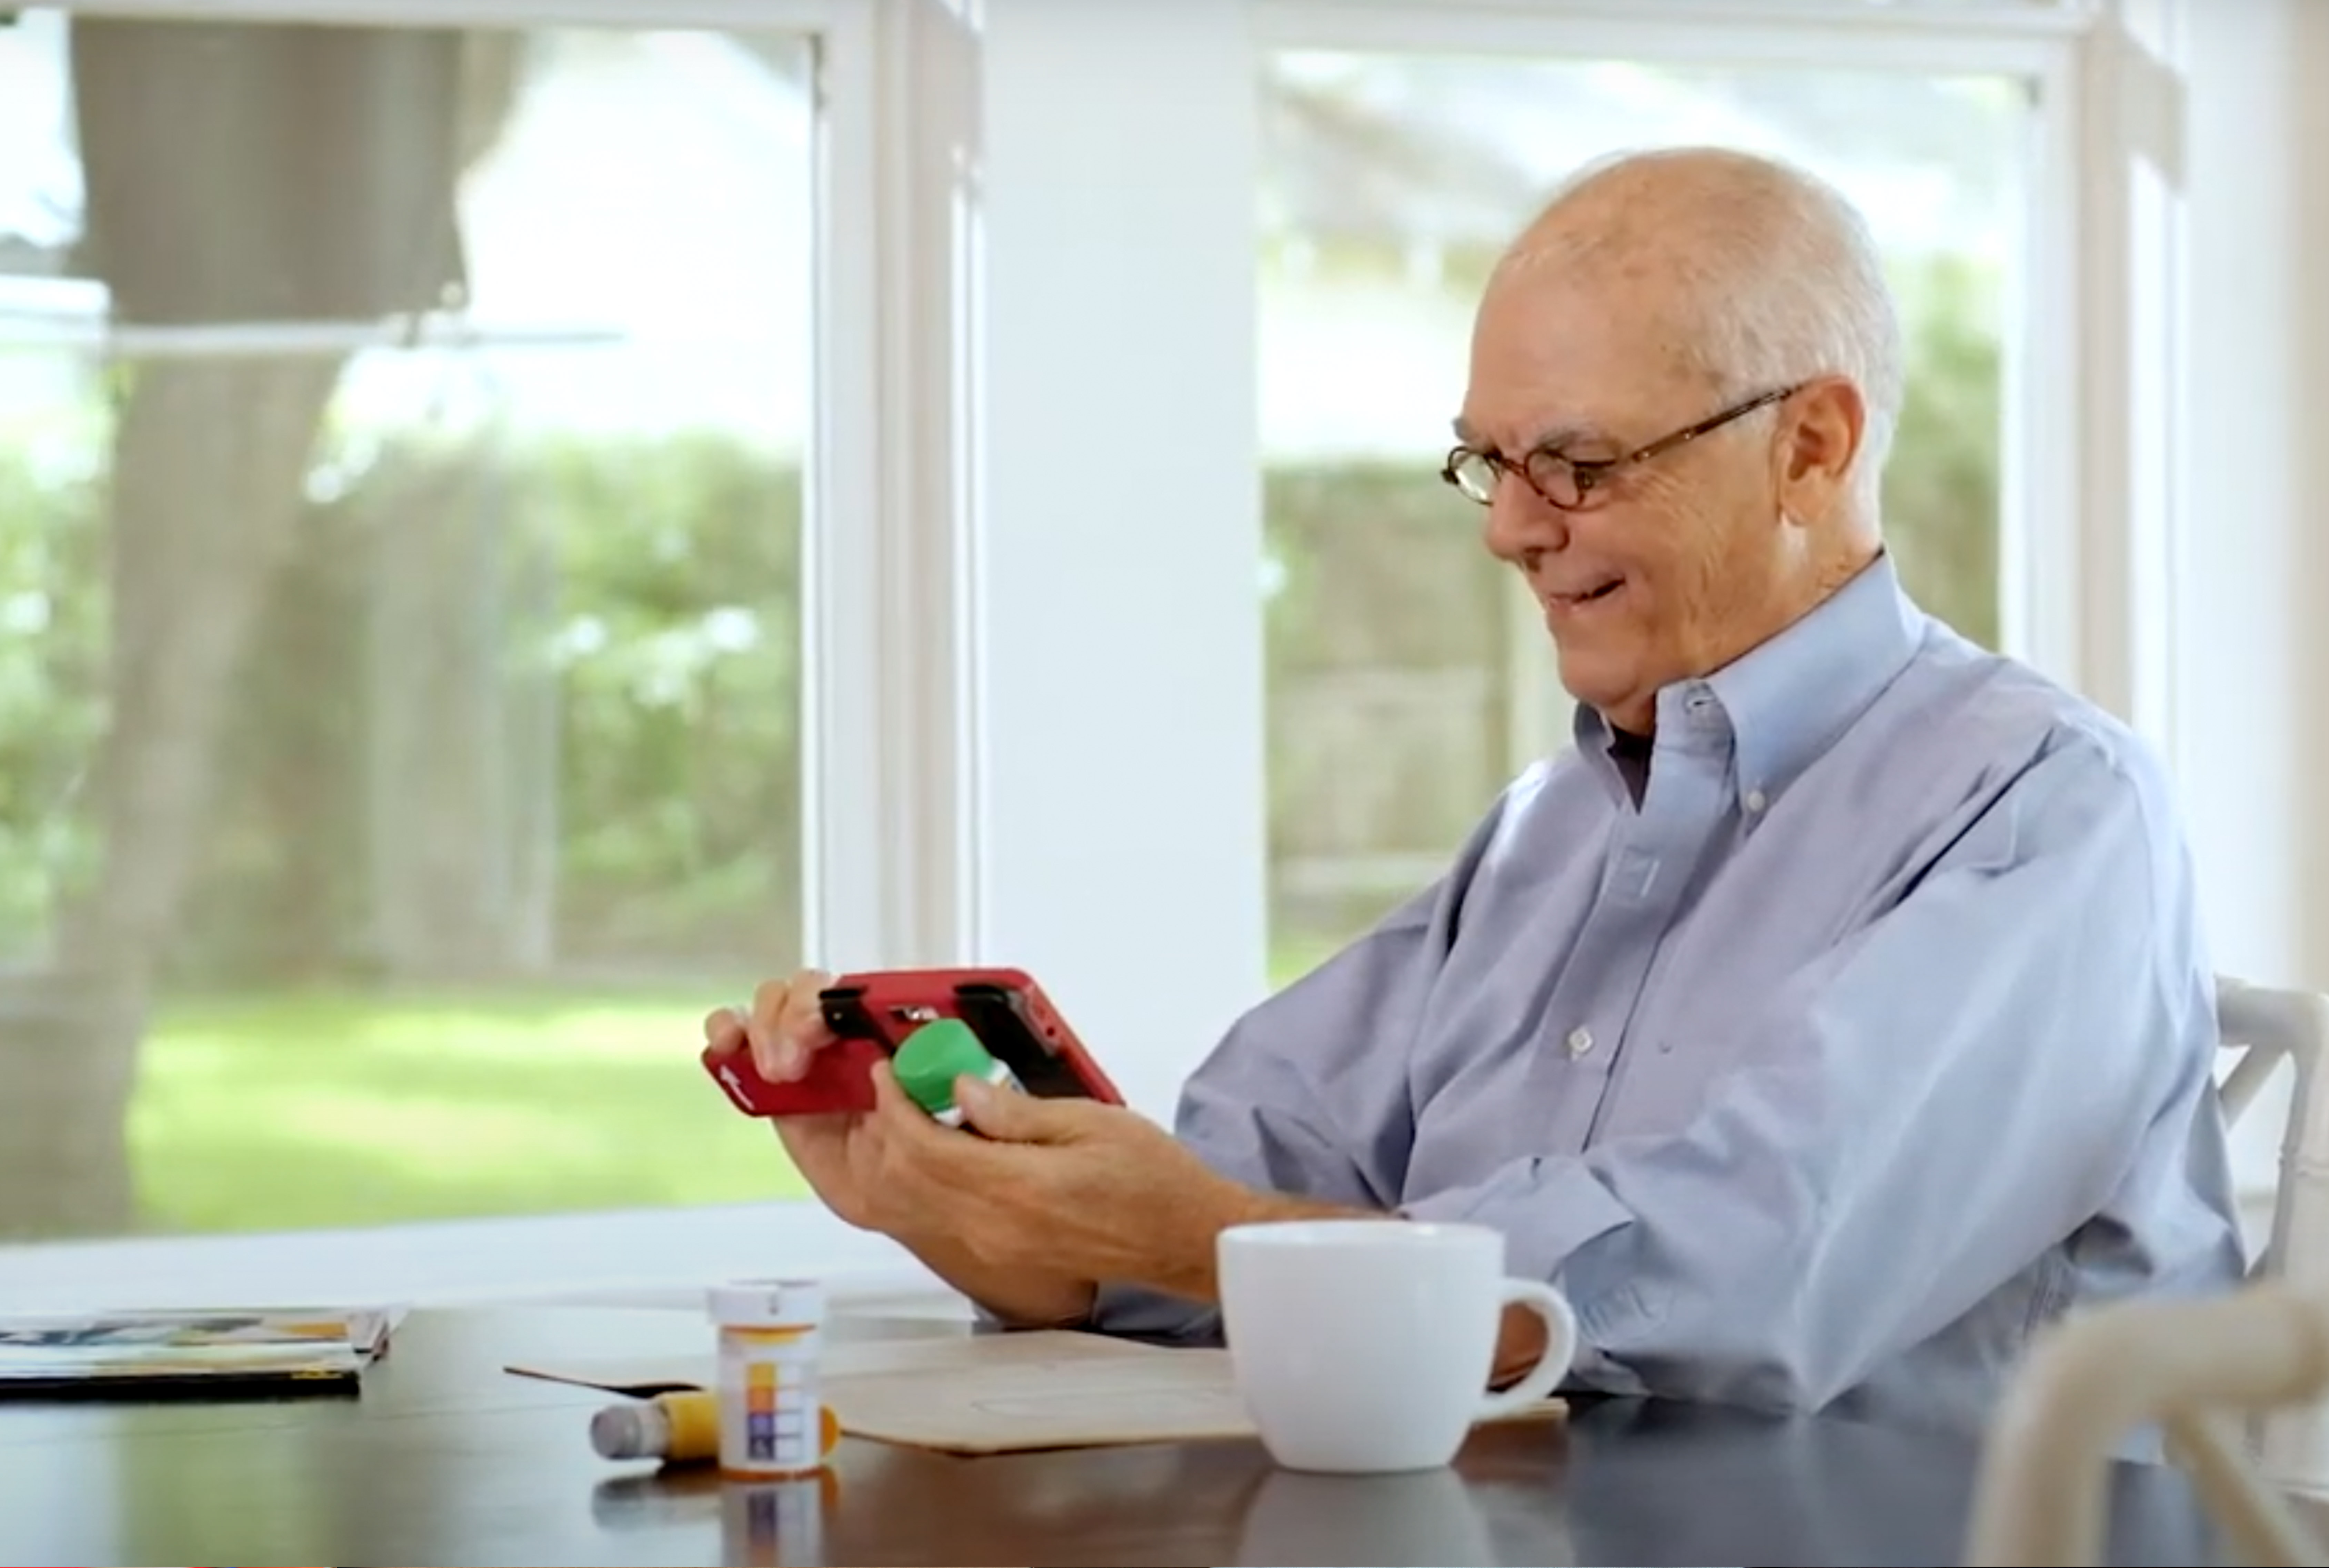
x: 888, y: 503
x: 2087, y: 516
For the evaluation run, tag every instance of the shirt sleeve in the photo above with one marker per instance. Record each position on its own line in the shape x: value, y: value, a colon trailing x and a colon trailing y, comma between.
x: 1294, y: 1098
x: 1915, y: 1118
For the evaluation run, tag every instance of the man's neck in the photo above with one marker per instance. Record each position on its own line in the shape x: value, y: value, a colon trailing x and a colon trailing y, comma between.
x: 1633, y: 727
x: 1812, y: 583
x: 1630, y: 750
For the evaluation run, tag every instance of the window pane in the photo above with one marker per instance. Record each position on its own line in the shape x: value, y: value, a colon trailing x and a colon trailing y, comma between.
x: 1408, y: 678
x: 399, y: 541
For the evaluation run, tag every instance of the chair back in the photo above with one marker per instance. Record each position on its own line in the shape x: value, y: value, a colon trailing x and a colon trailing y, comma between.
x: 2194, y: 1369
x: 2269, y: 1026
x: 2238, y: 1384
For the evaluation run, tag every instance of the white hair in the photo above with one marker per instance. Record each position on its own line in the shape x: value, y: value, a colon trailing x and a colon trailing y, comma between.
x: 1786, y: 281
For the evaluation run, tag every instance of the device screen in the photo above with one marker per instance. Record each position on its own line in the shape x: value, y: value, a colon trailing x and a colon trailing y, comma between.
x: 996, y: 1016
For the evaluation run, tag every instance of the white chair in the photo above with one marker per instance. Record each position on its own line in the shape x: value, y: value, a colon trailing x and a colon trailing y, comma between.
x: 2268, y: 1027
x: 2190, y: 1366
x: 2185, y: 1365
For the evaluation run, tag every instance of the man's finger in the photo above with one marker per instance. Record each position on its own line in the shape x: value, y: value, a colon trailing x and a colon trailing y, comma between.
x: 1008, y: 1115
x: 800, y: 1031
x: 757, y: 1017
x: 901, y: 1117
x: 767, y: 1000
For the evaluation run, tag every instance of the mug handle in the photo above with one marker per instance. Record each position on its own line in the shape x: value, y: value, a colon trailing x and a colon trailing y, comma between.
x: 1559, y: 1348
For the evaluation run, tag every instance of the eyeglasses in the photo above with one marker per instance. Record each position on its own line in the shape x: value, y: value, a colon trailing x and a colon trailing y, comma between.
x: 1566, y: 483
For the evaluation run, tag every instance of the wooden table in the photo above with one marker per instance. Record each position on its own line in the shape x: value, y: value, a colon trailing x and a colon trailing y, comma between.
x: 446, y: 1460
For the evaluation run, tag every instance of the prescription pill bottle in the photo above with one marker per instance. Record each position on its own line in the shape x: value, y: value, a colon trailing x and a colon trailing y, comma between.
x: 936, y: 1054
x: 771, y: 1409
x: 678, y: 1428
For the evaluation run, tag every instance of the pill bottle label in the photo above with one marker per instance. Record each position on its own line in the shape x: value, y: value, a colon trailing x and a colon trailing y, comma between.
x: 771, y: 1414
x: 770, y: 1417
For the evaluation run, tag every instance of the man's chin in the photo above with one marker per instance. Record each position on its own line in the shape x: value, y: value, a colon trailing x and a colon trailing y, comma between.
x: 1588, y: 681
x: 1619, y: 701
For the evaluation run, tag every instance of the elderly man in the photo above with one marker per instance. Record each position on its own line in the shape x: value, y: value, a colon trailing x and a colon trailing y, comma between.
x: 1832, y: 1017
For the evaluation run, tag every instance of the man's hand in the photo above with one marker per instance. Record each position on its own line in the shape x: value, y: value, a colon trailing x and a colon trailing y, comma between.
x: 841, y: 1158
x: 784, y: 1029
x: 1094, y: 1191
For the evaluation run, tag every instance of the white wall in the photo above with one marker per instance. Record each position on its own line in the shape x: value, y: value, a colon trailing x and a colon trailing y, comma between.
x: 2255, y: 589
x: 1122, y: 854
x: 2306, y: 595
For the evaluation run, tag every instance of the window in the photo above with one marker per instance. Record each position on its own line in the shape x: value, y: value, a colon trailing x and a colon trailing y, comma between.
x: 1408, y: 676
x: 402, y: 524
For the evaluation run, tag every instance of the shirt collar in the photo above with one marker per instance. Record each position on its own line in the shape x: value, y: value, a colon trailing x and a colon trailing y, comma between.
x: 1783, y: 702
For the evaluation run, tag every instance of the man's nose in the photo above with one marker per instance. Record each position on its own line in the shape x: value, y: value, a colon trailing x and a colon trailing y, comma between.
x: 1521, y: 521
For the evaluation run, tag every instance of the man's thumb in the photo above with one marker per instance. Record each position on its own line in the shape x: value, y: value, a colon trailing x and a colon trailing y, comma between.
x: 1004, y: 1114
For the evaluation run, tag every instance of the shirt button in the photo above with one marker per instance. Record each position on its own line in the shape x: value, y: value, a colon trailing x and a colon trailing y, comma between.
x: 1755, y: 800
x: 1580, y: 1040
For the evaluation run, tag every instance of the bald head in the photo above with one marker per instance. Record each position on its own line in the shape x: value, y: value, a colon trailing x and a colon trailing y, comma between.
x: 1753, y: 274
x: 1684, y: 378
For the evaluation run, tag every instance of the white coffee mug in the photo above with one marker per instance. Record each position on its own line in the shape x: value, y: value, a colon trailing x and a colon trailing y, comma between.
x: 1365, y: 1345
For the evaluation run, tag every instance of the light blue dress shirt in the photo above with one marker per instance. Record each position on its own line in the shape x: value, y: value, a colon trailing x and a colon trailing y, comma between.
x: 1878, y: 1034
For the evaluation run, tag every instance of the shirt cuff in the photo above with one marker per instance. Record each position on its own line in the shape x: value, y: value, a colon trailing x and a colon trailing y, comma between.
x: 1136, y: 1312
x: 1547, y: 1209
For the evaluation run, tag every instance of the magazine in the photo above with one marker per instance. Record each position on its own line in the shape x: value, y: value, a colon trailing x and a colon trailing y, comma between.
x: 265, y: 1350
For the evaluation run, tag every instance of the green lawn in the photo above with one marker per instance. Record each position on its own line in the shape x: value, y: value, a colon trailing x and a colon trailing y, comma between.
x: 283, y: 1112
x: 328, y: 1108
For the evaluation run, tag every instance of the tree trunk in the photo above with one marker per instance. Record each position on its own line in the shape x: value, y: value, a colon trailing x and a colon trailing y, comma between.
x: 209, y: 459
x: 235, y: 173
x: 462, y: 754
x: 64, y: 1079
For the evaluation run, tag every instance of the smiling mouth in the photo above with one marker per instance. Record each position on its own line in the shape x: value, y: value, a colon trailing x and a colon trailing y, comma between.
x: 1590, y: 596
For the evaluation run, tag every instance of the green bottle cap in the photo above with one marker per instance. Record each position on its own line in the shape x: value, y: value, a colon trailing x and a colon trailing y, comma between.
x: 933, y: 1056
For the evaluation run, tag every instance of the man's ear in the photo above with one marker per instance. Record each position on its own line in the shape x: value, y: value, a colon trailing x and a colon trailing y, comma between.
x: 1821, y: 432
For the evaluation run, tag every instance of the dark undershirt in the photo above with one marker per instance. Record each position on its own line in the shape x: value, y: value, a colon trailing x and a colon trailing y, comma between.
x: 1631, y: 752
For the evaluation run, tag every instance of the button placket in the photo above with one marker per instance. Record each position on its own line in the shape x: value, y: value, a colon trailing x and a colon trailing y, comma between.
x: 1678, y: 827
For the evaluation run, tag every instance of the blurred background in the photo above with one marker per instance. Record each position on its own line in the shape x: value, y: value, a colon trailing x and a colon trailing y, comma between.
x: 406, y: 534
